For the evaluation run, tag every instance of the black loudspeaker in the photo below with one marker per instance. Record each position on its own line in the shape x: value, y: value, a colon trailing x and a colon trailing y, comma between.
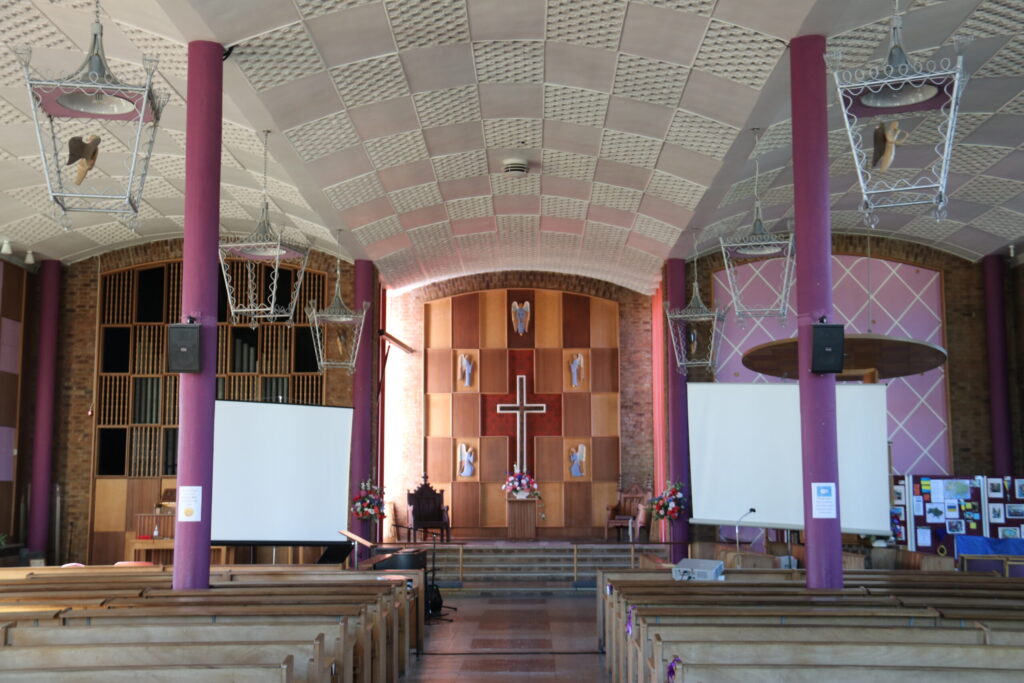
x: 827, y: 348
x: 183, y: 348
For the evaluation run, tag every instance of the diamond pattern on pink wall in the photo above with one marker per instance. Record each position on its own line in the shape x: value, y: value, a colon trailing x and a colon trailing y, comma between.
x: 869, y: 295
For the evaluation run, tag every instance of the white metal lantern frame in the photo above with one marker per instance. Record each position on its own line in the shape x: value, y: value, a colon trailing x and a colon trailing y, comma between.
x: 252, y: 267
x: 126, y: 134
x: 896, y: 187
x: 696, y: 332
x: 338, y: 324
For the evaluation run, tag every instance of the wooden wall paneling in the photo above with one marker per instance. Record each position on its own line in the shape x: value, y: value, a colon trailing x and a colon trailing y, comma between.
x: 168, y: 483
x: 107, y: 547
x: 109, y: 501
x: 6, y: 511
x: 547, y: 371
x: 494, y: 371
x: 521, y: 341
x: 439, y: 459
x: 549, y: 319
x: 439, y: 371
x: 604, y: 375
x: 9, y: 405
x: 493, y: 505
x: 603, y: 494
x: 465, y: 504
x: 577, y: 504
x: 439, y: 414
x: 474, y: 374
x: 493, y: 458
x: 583, y: 375
x: 605, y: 462
x: 586, y: 467
x: 11, y: 289
x: 438, y: 321
x: 604, y: 324
x: 576, y: 415
x: 493, y: 319
x: 548, y: 458
x: 457, y: 468
x: 466, y: 321
x: 605, y: 414
x: 465, y: 415
x: 575, y: 320
x: 551, y: 505
x: 142, y: 497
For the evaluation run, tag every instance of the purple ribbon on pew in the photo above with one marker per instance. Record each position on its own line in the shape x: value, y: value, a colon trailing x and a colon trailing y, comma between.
x: 629, y: 621
x: 671, y: 678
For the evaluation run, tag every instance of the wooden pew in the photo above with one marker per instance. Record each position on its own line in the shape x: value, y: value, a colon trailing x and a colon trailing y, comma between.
x: 250, y: 673
x: 338, y: 637
x: 310, y: 662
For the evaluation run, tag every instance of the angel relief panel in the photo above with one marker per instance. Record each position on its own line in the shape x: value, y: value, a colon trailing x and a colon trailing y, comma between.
x: 551, y: 356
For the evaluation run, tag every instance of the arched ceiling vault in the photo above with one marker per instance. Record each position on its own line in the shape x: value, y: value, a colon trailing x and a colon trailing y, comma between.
x: 392, y: 120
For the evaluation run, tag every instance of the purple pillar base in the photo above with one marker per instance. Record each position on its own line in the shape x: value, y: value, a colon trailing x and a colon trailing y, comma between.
x: 680, y: 536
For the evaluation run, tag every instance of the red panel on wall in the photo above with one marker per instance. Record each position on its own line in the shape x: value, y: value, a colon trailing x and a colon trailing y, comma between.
x: 604, y: 364
x: 516, y: 340
x: 465, y: 504
x: 466, y: 321
x: 577, y: 504
x: 606, y: 458
x: 466, y: 415
x: 493, y: 458
x: 575, y: 321
x: 494, y: 371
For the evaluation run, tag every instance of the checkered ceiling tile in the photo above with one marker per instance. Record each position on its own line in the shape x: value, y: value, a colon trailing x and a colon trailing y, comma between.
x: 390, y: 117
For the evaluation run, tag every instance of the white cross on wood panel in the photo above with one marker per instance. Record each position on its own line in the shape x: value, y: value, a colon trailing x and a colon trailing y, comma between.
x: 521, y: 408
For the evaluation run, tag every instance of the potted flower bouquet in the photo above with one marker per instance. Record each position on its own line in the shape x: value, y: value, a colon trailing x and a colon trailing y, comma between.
x: 521, y: 485
x: 671, y: 504
x: 369, y: 504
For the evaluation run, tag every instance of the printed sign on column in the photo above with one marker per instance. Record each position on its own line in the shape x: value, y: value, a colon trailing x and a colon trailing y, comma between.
x: 823, y: 500
x: 190, y: 503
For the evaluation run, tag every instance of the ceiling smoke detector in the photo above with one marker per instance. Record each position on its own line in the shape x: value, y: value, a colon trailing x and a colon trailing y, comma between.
x: 516, y: 168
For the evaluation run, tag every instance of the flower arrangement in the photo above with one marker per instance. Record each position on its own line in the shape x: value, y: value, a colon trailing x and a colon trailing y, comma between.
x: 671, y: 504
x: 522, y: 485
x: 369, y: 504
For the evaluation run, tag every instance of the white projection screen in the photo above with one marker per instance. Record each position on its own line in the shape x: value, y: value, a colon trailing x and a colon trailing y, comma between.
x: 745, y: 453
x: 280, y: 473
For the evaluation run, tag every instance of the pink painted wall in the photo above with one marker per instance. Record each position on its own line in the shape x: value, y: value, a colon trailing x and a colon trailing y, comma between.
x: 906, y: 302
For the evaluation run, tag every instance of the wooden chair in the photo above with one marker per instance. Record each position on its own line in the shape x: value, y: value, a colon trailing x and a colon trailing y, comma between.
x: 428, y: 511
x: 626, y: 513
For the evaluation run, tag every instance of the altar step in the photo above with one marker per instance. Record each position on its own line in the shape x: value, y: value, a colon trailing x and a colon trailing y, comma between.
x: 480, y: 565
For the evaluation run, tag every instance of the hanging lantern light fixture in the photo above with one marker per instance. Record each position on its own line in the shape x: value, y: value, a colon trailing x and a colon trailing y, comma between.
x: 696, y: 331
x: 253, y: 272
x: 90, y: 115
x: 873, y: 100
x: 337, y: 330
x: 759, y: 244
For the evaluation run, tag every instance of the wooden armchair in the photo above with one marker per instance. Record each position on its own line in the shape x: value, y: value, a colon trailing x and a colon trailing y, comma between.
x: 428, y: 511
x: 628, y: 513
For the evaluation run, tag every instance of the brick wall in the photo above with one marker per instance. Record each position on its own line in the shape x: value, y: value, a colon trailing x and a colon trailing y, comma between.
x: 76, y: 364
x: 403, y: 441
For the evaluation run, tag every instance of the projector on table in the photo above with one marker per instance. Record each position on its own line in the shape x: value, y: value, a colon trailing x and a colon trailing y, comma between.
x: 699, y: 570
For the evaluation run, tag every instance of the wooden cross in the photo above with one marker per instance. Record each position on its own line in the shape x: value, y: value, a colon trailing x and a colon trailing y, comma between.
x: 521, y: 408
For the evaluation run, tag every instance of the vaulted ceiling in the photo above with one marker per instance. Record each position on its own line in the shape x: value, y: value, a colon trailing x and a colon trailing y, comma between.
x: 391, y: 122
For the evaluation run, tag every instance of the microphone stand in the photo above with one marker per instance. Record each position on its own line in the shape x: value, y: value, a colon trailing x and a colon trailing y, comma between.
x: 742, y: 517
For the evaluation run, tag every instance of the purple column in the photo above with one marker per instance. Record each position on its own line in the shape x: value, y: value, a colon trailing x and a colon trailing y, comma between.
x: 809, y: 101
x: 46, y: 374
x: 198, y: 391
x: 362, y: 395
x: 994, y: 266
x: 678, y: 414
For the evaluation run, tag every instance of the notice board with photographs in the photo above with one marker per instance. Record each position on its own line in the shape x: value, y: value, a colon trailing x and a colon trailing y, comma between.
x: 927, y: 513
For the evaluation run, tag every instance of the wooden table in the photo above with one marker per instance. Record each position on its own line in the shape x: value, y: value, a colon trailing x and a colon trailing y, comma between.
x: 522, y: 518
x: 161, y: 551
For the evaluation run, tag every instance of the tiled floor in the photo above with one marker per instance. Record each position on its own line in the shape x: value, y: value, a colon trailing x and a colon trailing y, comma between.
x: 513, y: 639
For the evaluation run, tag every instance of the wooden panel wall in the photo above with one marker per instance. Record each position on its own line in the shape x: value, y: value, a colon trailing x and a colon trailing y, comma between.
x: 562, y: 326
